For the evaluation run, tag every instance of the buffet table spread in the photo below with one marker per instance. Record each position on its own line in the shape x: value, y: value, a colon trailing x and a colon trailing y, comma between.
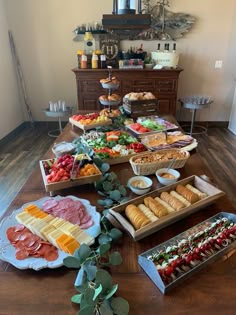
x: 49, y: 291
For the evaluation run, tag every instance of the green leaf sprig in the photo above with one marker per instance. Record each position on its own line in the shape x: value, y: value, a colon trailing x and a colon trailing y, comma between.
x: 110, y: 188
x: 93, y: 284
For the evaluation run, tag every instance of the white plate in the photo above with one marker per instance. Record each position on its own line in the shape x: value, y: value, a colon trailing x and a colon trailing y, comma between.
x: 7, y: 251
x: 191, y: 146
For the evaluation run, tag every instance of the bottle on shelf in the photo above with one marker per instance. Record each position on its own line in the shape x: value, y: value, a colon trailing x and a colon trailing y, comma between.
x: 103, y: 61
x: 89, y: 43
x: 83, y: 61
x: 94, y: 61
x: 174, y: 47
x: 167, y: 47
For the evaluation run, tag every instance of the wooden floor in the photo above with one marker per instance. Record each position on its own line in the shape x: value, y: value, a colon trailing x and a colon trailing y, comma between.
x: 22, y: 153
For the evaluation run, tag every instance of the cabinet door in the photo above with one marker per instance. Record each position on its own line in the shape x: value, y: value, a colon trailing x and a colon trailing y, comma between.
x: 167, y: 105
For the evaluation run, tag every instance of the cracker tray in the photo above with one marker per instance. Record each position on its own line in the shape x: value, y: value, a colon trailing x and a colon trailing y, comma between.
x: 152, y: 167
x: 149, y: 267
x: 118, y: 212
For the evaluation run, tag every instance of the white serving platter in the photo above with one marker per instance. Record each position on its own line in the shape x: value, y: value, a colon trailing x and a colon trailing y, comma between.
x: 7, y: 251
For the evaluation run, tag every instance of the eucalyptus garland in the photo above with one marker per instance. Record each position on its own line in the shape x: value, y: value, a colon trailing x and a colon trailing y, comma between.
x: 94, y: 285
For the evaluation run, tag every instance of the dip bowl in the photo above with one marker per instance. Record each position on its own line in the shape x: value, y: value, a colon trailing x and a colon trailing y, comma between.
x: 140, y: 185
x: 167, y: 176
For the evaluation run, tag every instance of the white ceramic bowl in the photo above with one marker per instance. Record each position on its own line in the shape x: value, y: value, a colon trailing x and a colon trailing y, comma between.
x: 167, y: 181
x: 140, y: 185
x: 62, y: 148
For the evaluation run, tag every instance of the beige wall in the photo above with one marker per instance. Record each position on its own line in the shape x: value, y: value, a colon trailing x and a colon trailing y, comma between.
x: 44, y: 39
x: 11, y: 114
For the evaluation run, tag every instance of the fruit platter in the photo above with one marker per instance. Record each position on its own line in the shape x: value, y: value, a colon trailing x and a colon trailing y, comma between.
x: 68, y: 171
x: 171, y: 262
x: 150, y: 125
x: 169, y: 140
x: 113, y: 147
x: 89, y: 121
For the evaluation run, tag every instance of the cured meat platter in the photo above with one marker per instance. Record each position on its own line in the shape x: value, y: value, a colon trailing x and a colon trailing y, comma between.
x: 208, y: 241
x: 8, y: 252
x: 169, y: 140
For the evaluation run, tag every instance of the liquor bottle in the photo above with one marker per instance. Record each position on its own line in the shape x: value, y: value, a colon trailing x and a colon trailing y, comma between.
x: 94, y: 61
x: 83, y: 61
x: 167, y: 47
x: 89, y: 43
x: 103, y: 61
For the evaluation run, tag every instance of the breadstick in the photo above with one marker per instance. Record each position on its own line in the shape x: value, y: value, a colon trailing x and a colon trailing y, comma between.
x: 147, y: 212
x: 181, y: 198
x: 165, y: 204
x: 187, y: 194
x: 136, y: 216
x: 172, y: 201
x: 196, y: 191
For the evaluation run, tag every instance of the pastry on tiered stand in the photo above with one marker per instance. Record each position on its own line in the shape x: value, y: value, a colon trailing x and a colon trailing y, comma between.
x: 110, y: 84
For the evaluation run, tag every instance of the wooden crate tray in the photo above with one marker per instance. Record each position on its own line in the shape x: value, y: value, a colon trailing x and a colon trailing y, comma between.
x: 51, y: 187
x: 118, y: 212
x: 141, y: 108
x: 90, y: 126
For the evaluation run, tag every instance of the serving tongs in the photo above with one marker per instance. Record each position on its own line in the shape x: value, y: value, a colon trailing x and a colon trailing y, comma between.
x: 77, y: 165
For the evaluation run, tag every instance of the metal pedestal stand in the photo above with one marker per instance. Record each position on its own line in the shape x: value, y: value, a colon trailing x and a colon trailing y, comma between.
x: 56, y: 132
x: 194, y: 108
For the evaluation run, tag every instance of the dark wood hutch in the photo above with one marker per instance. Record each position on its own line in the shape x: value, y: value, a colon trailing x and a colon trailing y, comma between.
x: 162, y: 83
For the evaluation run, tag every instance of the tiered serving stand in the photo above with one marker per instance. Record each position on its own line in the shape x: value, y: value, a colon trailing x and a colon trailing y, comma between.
x: 110, y: 87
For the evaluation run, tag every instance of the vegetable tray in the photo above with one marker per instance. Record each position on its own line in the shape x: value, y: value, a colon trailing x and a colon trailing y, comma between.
x: 105, y: 144
x: 118, y: 212
x: 146, y: 259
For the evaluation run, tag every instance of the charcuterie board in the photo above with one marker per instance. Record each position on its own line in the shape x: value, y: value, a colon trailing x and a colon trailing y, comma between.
x: 7, y: 251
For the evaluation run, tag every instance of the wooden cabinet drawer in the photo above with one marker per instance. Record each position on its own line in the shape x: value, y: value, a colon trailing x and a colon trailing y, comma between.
x: 90, y: 86
x: 166, y: 85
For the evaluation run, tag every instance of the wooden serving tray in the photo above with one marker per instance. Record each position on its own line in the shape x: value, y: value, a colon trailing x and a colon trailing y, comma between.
x: 119, y: 160
x: 52, y: 187
x: 118, y: 212
x: 90, y: 126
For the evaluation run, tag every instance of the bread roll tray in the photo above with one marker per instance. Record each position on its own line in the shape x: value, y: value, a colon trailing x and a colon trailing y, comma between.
x: 117, y: 213
x: 150, y: 268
